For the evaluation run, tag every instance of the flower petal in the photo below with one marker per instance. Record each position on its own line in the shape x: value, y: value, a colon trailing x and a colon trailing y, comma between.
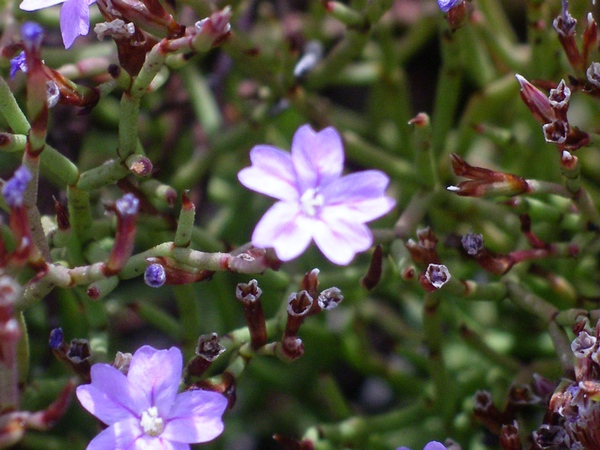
x: 340, y: 240
x: 318, y: 156
x: 157, y: 373
x: 434, y: 445
x: 121, y: 435
x: 285, y: 229
x: 74, y: 20
x: 361, y: 194
x: 271, y: 173
x: 195, y: 417
x: 34, y: 5
x: 111, y: 397
x: 157, y: 443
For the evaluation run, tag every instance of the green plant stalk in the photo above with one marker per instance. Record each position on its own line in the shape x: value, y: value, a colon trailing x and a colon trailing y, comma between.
x: 11, y: 111
x: 443, y: 398
x: 189, y: 313
x: 203, y: 102
x: 359, y: 427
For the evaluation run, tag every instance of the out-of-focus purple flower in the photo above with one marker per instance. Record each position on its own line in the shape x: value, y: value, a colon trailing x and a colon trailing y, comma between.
x: 316, y: 201
x: 14, y: 189
x: 56, y: 338
x: 447, y: 5
x: 155, y: 275
x: 143, y: 409
x: 18, y: 63
x: 74, y: 16
x: 433, y: 445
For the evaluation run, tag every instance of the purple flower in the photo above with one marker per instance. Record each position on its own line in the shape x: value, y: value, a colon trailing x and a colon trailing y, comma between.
x: 155, y: 275
x: 14, y: 189
x: 18, y: 63
x: 316, y: 201
x: 447, y: 5
x: 433, y: 445
x: 144, y: 410
x: 74, y: 16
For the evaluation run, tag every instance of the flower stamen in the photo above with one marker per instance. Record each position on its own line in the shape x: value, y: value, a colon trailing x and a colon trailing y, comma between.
x: 151, y: 423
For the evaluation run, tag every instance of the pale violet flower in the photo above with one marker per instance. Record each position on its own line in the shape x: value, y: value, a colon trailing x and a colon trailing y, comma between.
x: 143, y: 409
x: 433, y: 445
x: 74, y: 16
x: 447, y: 5
x: 315, y: 200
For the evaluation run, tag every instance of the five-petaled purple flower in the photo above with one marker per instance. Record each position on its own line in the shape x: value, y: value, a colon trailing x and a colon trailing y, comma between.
x: 74, y: 16
x: 433, y: 445
x: 144, y: 410
x: 447, y: 5
x: 316, y: 201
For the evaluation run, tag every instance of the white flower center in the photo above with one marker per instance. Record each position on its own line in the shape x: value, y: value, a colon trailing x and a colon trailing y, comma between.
x: 151, y: 423
x: 311, y: 202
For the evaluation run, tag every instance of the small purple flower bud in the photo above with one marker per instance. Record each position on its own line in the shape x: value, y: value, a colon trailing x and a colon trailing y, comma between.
x: 14, y: 189
x: 447, y: 5
x: 56, y: 338
x: 155, y: 275
x: 583, y: 345
x: 127, y: 205
x: 437, y: 274
x: 32, y: 35
x: 18, y: 63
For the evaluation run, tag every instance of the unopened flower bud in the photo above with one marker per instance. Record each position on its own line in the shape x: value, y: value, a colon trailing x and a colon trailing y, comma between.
x: 447, y: 5
x: 155, y: 275
x: 14, y: 189
x: 583, y: 345
x: 117, y: 29
x: 127, y: 205
x: 472, y: 243
x: 32, y: 35
x: 536, y: 101
x: 56, y: 338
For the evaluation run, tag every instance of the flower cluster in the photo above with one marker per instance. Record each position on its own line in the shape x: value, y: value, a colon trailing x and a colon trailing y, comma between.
x: 315, y: 200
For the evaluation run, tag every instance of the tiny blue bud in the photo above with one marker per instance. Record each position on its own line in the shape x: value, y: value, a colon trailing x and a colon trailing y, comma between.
x: 18, y: 63
x: 56, y: 338
x: 127, y: 205
x: 32, y: 34
x: 155, y: 275
x: 14, y: 189
x: 447, y: 5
